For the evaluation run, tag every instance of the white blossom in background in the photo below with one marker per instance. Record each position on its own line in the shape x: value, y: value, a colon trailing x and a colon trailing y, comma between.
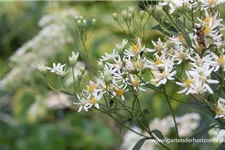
x: 187, y: 123
x: 49, y: 42
x: 130, y: 139
x: 57, y: 101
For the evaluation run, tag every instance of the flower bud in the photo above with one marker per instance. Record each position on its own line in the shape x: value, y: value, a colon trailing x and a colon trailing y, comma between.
x: 100, y: 65
x: 42, y: 68
x: 79, y: 23
x: 150, y: 9
x: 79, y: 76
x: 125, y: 15
x: 84, y: 23
x: 82, y: 69
x: 93, y: 21
x: 107, y: 76
x: 115, y: 16
x: 81, y: 17
x: 142, y: 14
x: 76, y: 18
x: 73, y: 58
x: 131, y: 10
x: 158, y: 10
x: 129, y: 17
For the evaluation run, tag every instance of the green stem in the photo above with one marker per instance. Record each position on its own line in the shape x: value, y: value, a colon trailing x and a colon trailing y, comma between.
x: 74, y: 80
x: 174, y: 119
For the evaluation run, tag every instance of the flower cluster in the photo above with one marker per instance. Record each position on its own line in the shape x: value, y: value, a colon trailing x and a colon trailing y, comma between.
x: 191, y: 57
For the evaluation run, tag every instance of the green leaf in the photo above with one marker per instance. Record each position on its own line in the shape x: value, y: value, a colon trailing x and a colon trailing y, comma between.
x: 159, y: 28
x: 221, y: 146
x: 66, y: 92
x: 184, y: 32
x: 122, y: 124
x: 158, y: 134
x: 139, y: 144
x: 165, y: 27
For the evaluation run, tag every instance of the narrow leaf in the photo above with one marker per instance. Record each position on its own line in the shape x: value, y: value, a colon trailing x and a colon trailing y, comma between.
x: 184, y: 32
x: 139, y: 144
x: 122, y: 124
x: 158, y: 134
x: 66, y: 92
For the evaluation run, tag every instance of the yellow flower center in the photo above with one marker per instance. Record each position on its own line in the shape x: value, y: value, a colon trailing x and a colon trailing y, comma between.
x: 181, y: 38
x: 207, y: 20
x: 158, y: 47
x: 206, y: 30
x: 158, y: 62
x: 138, y: 64
x: 135, y: 48
x: 135, y: 83
x: 218, y: 111
x: 91, y: 88
x: 212, y: 1
x: 93, y: 100
x: 188, y: 83
x: 221, y: 60
x: 119, y: 92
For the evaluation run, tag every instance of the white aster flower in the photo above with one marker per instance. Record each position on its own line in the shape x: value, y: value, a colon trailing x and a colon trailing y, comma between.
x: 122, y: 45
x: 95, y: 98
x: 120, y: 90
x: 58, y: 69
x: 110, y: 56
x: 136, y: 83
x: 187, y: 84
x: 218, y: 62
x: 210, y: 3
x: 201, y: 75
x: 84, y: 103
x: 161, y: 76
x: 220, y: 109
x: 135, y: 49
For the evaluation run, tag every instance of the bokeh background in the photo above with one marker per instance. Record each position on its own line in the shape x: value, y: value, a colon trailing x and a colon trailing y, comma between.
x: 32, y: 117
